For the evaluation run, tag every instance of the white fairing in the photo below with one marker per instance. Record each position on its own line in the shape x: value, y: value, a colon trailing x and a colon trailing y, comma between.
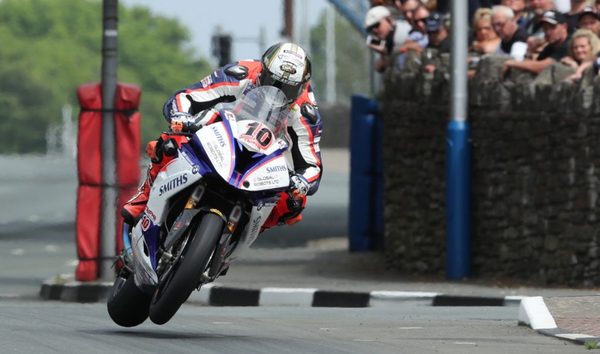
x: 217, y: 144
x: 270, y: 175
x: 258, y: 217
x: 144, y: 274
x: 174, y: 177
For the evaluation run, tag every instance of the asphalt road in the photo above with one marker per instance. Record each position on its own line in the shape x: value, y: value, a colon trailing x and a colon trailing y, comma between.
x: 63, y: 328
x: 36, y: 233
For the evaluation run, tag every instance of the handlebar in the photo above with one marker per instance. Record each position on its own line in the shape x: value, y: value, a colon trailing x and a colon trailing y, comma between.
x: 185, y: 127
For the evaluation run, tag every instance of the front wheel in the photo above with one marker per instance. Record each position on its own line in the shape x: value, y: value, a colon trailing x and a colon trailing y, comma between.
x: 127, y: 305
x: 182, y: 280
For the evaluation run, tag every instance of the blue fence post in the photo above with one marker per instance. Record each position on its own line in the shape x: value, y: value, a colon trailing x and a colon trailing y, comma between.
x: 458, y: 199
x: 366, y: 176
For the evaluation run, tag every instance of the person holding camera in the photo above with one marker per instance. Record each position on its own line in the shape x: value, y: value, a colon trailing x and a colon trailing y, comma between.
x: 385, y: 34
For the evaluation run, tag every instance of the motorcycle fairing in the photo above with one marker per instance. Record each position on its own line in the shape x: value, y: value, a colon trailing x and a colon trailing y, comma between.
x: 258, y: 216
x: 144, y: 243
x: 217, y: 142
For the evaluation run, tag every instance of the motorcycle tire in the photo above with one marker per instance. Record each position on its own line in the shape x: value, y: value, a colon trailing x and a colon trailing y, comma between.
x: 185, y: 277
x: 127, y: 305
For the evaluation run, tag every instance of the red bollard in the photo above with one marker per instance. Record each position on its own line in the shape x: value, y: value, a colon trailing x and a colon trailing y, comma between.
x: 89, y: 168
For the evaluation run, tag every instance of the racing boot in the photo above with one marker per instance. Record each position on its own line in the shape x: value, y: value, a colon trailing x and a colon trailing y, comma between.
x: 136, y: 205
x: 160, y: 152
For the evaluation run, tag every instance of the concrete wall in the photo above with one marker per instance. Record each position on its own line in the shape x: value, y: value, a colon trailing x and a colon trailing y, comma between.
x: 535, y: 168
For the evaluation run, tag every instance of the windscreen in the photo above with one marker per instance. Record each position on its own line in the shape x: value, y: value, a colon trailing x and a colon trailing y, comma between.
x: 260, y: 108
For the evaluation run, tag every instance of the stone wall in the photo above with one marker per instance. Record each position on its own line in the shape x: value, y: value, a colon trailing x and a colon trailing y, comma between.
x: 535, y: 167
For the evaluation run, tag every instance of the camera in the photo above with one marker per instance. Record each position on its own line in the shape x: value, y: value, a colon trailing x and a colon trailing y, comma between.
x: 371, y: 40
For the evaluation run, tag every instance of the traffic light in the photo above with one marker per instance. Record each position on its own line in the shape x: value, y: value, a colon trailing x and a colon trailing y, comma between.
x: 224, y: 50
x: 221, y: 48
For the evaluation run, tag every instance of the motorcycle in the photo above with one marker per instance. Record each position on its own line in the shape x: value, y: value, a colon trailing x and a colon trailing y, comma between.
x: 206, y: 207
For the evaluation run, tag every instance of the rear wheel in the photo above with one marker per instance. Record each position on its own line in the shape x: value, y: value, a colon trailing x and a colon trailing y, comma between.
x: 184, y: 278
x: 127, y: 305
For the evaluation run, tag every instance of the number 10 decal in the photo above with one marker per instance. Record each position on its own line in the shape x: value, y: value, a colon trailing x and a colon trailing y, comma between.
x: 259, y: 134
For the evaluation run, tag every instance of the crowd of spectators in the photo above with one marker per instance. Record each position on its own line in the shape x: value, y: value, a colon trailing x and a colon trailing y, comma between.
x: 532, y: 34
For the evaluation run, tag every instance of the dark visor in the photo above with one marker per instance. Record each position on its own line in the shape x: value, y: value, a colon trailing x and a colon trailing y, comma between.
x: 292, y: 92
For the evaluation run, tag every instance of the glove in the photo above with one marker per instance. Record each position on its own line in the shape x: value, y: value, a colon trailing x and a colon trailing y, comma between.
x: 183, y: 122
x: 299, y: 185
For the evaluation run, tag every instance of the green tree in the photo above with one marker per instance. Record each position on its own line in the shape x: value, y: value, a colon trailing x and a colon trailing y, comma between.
x: 352, y: 59
x: 49, y: 47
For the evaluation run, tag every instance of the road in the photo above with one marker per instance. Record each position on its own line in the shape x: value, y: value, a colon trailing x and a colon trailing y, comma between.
x: 30, y: 327
x: 36, y: 231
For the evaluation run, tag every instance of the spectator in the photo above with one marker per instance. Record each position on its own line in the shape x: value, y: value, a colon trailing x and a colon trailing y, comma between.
x: 381, y: 3
x: 386, y: 34
x: 437, y: 33
x: 417, y: 38
x: 588, y: 19
x: 514, y: 39
x: 583, y: 47
x: 562, y: 6
x: 438, y: 37
x: 556, y: 32
x: 431, y: 5
x: 390, y: 4
x: 486, y: 40
x: 409, y: 7
x: 597, y: 5
x: 537, y: 9
x: 577, y: 7
x: 518, y: 7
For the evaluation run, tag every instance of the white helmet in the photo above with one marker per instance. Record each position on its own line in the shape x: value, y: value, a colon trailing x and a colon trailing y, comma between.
x: 288, y: 67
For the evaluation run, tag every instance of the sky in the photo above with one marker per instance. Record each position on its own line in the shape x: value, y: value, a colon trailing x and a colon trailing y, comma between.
x: 242, y: 19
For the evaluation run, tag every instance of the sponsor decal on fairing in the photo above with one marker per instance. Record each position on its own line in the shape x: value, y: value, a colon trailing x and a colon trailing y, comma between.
x: 218, y: 146
x: 270, y: 174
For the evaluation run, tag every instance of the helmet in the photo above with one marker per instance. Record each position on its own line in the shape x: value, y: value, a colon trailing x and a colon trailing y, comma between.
x: 288, y: 67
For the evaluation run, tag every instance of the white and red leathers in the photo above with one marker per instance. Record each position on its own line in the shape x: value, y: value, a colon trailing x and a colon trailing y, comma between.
x: 228, y: 84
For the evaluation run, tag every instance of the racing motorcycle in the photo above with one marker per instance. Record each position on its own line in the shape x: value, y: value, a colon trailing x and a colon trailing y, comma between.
x: 205, y: 207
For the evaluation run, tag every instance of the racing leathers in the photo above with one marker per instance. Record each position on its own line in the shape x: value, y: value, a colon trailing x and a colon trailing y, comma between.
x: 228, y: 84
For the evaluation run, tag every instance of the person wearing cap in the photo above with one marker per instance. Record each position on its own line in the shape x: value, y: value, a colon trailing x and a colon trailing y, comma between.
x: 557, y: 36
x: 572, y: 17
x: 437, y: 33
x: 514, y: 39
x: 589, y: 20
x: 385, y: 34
x: 438, y: 39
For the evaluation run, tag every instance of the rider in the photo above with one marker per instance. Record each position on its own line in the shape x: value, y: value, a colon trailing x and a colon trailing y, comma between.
x: 286, y: 66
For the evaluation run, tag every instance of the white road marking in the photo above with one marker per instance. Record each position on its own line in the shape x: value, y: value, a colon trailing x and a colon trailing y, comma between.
x: 410, y: 327
x: 465, y: 343
x: 18, y: 252
x: 326, y: 329
x: 286, y: 297
x: 222, y: 323
x: 72, y: 263
x: 364, y: 340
